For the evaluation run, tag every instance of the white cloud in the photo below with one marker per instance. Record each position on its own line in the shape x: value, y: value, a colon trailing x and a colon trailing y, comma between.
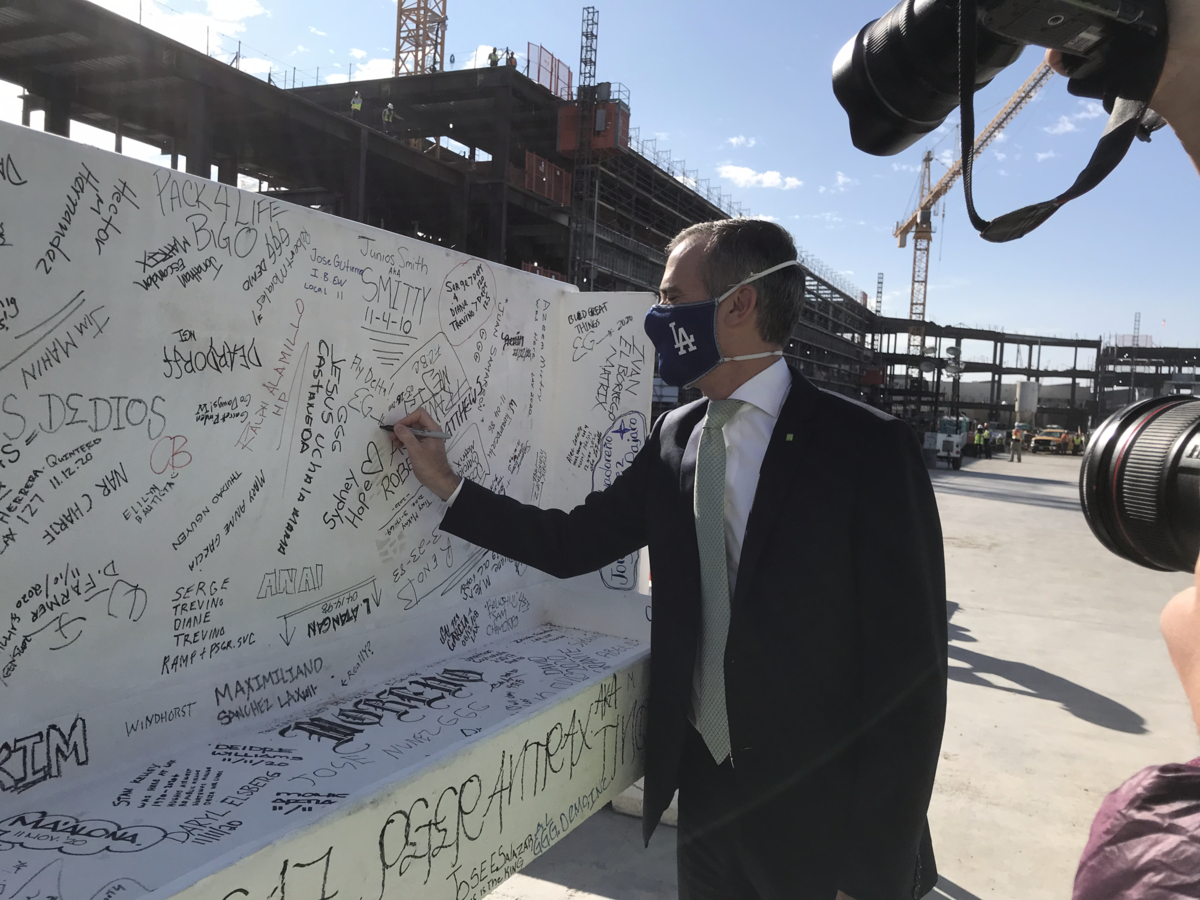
x: 1049, y: 154
x: 209, y: 30
x: 742, y: 141
x: 1089, y: 109
x: 476, y: 59
x: 300, y: 48
x: 317, y: 31
x: 374, y: 68
x: 1064, y: 125
x: 234, y: 10
x: 1000, y: 157
x: 358, y: 54
x: 841, y: 183
x: 833, y: 220
x: 946, y: 158
x: 764, y: 218
x: 662, y: 135
x: 1000, y: 138
x: 744, y: 177
x: 336, y: 78
x: 256, y: 66
x: 479, y: 57
x: 904, y: 167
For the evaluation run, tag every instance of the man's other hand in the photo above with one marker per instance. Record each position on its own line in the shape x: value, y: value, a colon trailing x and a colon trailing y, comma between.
x: 1180, y: 623
x: 428, y: 455
x: 1177, y: 98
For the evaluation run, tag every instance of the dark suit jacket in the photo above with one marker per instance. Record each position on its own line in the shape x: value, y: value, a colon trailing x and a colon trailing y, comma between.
x: 835, y: 665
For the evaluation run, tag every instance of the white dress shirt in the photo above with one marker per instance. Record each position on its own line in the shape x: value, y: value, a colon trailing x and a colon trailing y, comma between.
x: 747, y: 434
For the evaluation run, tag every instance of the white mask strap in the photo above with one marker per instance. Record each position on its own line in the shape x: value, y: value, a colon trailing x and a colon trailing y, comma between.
x: 751, y: 356
x: 756, y: 276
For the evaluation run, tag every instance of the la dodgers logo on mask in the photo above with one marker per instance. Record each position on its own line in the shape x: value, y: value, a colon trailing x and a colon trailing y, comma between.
x: 698, y: 351
x: 684, y: 342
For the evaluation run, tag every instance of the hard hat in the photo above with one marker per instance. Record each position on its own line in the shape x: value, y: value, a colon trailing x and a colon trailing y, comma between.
x: 389, y: 106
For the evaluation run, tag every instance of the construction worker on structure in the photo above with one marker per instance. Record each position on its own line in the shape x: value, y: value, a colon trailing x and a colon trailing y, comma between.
x: 511, y: 62
x: 1014, y: 445
x: 355, y: 105
x: 494, y: 57
x: 388, y: 115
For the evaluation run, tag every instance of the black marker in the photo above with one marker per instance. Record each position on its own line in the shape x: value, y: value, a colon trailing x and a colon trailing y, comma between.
x: 421, y: 433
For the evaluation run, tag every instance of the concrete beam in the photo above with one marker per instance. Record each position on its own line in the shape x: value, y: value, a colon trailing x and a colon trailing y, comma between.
x: 198, y: 145
x: 58, y: 110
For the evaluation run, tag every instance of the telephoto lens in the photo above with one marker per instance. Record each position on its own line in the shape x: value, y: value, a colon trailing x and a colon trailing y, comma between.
x: 897, y: 78
x: 1140, y: 483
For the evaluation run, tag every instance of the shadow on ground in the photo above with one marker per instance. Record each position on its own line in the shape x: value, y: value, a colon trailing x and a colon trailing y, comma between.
x: 1011, y: 492
x: 1081, y: 702
x: 604, y: 857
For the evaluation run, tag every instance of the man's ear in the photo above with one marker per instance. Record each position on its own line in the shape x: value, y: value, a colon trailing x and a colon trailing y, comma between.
x: 743, y: 305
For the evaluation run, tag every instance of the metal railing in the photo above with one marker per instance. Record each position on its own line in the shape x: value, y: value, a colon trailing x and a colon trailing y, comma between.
x: 677, y: 169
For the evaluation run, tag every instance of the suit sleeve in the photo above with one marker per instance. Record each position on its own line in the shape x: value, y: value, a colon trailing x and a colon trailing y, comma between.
x: 608, y: 525
x: 901, y: 598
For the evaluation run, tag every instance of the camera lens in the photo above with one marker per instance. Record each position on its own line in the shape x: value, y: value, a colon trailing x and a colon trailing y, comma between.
x: 1140, y: 483
x: 898, y: 78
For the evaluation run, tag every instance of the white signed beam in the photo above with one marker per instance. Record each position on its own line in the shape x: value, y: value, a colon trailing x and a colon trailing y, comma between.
x: 237, y: 658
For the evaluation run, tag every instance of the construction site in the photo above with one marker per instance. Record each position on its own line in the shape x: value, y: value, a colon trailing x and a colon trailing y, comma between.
x: 543, y: 169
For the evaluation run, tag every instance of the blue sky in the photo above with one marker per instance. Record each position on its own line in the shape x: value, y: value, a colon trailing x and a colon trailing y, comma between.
x: 743, y: 94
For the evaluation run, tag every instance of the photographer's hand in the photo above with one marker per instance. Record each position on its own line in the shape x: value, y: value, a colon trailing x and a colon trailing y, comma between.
x: 1180, y: 623
x: 428, y: 455
x: 1178, y: 96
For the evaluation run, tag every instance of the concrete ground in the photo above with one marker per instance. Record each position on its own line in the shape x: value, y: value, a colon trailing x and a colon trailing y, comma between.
x: 1060, y: 689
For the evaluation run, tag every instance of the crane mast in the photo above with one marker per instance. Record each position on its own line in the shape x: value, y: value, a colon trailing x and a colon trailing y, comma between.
x: 920, y: 222
x: 420, y: 37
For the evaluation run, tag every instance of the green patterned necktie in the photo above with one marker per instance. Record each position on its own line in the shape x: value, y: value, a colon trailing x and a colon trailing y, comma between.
x: 712, y: 720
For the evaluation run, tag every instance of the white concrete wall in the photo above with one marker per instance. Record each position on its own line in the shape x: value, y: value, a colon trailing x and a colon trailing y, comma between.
x: 218, y: 567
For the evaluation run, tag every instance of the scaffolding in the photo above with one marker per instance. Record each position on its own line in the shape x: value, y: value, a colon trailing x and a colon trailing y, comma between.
x: 1132, y: 368
x: 583, y: 205
x: 922, y: 396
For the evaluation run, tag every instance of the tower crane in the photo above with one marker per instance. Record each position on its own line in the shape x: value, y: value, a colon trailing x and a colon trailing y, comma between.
x: 920, y: 221
x: 420, y: 37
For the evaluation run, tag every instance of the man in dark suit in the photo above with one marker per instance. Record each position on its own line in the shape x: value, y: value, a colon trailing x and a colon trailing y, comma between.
x: 798, y: 641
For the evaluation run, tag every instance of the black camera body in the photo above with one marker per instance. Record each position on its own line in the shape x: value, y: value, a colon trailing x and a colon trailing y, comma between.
x: 898, y: 78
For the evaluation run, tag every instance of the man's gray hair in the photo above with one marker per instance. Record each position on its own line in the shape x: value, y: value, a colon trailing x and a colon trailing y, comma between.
x: 737, y: 248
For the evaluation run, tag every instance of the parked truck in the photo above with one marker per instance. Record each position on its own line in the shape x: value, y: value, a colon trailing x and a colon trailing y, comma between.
x: 954, y: 433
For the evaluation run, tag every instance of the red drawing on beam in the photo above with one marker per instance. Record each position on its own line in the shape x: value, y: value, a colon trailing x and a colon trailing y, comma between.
x: 168, y: 453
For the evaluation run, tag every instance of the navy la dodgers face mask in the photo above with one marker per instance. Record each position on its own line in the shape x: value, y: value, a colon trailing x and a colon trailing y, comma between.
x: 685, y: 335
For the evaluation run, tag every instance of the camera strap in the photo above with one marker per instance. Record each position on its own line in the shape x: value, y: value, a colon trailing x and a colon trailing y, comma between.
x: 1125, y: 85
